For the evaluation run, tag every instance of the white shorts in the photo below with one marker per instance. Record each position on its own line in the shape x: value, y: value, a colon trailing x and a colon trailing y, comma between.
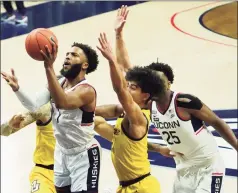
x: 80, y: 170
x: 197, y: 179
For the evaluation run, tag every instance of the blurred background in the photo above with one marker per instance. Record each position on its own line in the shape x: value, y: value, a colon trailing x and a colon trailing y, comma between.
x: 197, y: 38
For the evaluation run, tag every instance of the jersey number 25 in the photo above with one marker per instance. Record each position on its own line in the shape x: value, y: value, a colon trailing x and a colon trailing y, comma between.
x: 171, y: 137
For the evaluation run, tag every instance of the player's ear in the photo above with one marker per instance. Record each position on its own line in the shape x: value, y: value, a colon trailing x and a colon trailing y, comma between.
x: 85, y: 66
x: 146, y: 97
x: 168, y: 85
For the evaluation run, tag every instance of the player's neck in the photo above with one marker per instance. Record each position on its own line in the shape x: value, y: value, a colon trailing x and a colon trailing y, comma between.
x: 164, y: 102
x: 73, y: 82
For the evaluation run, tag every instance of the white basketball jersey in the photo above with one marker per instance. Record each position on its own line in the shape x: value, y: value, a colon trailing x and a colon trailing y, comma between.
x: 189, y: 137
x: 73, y: 129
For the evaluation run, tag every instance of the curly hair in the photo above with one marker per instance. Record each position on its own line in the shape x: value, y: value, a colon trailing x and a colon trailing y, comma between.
x: 148, y: 80
x: 91, y: 55
x: 162, y: 67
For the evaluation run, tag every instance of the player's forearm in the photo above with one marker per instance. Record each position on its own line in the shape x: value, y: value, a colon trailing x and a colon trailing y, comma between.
x: 153, y: 147
x: 226, y: 133
x: 57, y: 93
x: 6, y: 130
x: 103, y: 128
x: 117, y: 78
x: 32, y: 103
x: 122, y: 53
x: 106, y: 111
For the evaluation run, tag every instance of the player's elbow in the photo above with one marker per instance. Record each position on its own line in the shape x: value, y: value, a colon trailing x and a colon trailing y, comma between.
x: 62, y: 103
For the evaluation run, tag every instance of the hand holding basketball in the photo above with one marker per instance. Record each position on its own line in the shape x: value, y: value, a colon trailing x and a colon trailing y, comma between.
x: 11, y: 80
x: 49, y: 57
x: 121, y: 19
x: 106, y: 49
x: 37, y: 39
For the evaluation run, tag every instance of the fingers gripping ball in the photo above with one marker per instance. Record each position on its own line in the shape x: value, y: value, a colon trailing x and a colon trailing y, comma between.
x: 37, y: 40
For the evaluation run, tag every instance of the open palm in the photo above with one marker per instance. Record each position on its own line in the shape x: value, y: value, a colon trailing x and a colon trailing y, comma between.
x: 121, y: 18
x: 11, y: 79
x: 106, y: 48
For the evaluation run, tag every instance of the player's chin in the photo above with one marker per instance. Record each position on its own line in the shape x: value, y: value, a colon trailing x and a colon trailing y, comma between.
x: 66, y: 67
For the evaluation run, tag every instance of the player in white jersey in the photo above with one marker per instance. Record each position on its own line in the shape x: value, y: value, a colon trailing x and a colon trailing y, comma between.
x: 180, y: 119
x: 77, y: 153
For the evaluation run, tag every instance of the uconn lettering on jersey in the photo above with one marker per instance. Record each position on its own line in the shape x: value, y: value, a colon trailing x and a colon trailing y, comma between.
x: 170, y: 136
x: 165, y: 125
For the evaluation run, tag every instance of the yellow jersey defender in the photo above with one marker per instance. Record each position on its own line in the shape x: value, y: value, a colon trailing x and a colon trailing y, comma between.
x: 42, y: 175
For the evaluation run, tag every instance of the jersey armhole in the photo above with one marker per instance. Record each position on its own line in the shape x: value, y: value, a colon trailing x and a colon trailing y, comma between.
x: 133, y: 138
x: 40, y: 124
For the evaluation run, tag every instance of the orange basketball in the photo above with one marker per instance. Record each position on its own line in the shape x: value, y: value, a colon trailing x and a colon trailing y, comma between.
x: 36, y: 41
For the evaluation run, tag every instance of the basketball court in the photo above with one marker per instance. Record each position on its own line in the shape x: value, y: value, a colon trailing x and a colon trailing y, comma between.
x: 204, y: 63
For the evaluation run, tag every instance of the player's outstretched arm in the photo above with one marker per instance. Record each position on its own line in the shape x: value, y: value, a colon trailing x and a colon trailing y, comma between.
x: 30, y: 102
x: 103, y: 128
x: 195, y: 107
x: 109, y: 111
x: 163, y: 150
x: 20, y: 121
x: 121, y: 51
x: 132, y: 110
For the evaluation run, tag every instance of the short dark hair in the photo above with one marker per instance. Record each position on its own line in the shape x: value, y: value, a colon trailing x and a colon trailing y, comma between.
x: 91, y: 55
x: 148, y: 80
x: 162, y: 67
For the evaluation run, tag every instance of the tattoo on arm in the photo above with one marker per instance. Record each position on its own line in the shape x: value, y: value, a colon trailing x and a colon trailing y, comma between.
x: 6, y: 130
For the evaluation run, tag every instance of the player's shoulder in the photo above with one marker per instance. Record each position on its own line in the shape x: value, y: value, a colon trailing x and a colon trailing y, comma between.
x: 185, y: 96
x: 85, y: 91
x: 189, y: 101
x: 85, y: 88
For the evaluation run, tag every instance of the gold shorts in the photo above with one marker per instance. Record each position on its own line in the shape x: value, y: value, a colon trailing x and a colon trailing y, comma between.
x: 42, y: 180
x: 148, y: 185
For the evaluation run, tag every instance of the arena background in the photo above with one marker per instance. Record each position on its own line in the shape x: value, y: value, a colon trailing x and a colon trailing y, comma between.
x: 197, y: 38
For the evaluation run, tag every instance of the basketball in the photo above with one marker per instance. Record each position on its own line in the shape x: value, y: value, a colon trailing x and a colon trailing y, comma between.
x: 36, y: 40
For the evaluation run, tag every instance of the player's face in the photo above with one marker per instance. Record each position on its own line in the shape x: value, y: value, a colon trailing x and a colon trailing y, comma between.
x: 75, y: 56
x: 138, y: 96
x: 74, y: 61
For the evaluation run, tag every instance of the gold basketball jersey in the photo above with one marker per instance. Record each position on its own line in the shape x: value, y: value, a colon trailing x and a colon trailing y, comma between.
x: 129, y: 157
x: 45, y: 144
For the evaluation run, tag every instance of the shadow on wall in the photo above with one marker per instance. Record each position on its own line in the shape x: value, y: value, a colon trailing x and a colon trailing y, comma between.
x: 55, y: 13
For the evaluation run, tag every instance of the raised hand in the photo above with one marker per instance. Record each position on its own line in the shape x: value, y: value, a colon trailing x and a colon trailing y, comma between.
x: 105, y: 48
x: 49, y: 57
x: 121, y: 19
x: 11, y: 79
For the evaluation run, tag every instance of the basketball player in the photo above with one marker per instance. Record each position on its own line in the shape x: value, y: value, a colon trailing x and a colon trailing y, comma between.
x: 129, y: 141
x: 180, y: 119
x: 41, y: 176
x: 77, y: 153
x: 112, y: 111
